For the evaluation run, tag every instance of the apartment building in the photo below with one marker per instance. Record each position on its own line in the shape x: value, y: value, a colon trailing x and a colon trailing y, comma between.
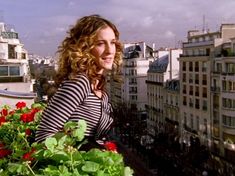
x: 164, y: 68
x: 203, y: 111
x: 15, y: 83
x: 223, y: 98
x: 137, y: 57
x: 131, y: 91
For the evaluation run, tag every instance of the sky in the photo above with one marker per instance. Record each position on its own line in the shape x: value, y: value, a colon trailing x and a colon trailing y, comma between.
x: 42, y: 24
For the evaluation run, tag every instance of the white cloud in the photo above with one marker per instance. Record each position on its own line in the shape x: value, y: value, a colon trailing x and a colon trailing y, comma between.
x: 161, y: 22
x: 169, y: 34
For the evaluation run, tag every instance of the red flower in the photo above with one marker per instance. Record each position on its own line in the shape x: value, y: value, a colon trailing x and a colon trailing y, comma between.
x: 28, y: 132
x: 4, y: 153
x: 111, y: 146
x: 2, y: 120
x: 11, y: 112
x: 28, y: 156
x: 27, y: 117
x: 34, y: 111
x: 20, y: 105
x: 4, y: 112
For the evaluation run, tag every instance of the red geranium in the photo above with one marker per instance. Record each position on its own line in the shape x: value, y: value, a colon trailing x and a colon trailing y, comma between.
x: 111, y: 146
x: 4, y: 112
x: 20, y: 105
x: 4, y: 153
x: 28, y: 156
x: 28, y: 132
x: 2, y: 120
x: 27, y: 117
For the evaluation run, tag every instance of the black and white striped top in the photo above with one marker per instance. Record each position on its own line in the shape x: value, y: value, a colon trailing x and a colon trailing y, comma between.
x: 75, y: 100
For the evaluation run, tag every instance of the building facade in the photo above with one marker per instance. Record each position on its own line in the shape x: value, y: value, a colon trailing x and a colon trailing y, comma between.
x: 164, y: 68
x: 132, y: 89
x: 14, y: 67
x: 203, y: 111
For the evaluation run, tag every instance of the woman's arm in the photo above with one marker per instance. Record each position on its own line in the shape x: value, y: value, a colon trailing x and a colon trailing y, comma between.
x: 62, y: 105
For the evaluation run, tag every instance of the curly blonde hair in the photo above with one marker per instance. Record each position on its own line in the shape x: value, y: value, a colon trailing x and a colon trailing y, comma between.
x: 74, y: 52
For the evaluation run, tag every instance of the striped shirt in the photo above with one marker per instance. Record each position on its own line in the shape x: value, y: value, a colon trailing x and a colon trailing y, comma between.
x: 73, y: 101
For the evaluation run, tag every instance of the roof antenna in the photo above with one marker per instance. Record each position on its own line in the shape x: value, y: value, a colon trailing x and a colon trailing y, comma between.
x: 204, y: 25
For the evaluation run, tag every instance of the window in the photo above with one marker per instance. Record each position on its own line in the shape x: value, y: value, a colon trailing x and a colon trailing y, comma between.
x: 11, y: 52
x: 204, y: 105
x: 196, y: 79
x: 23, y: 56
x: 3, y: 70
x: 204, y: 79
x: 184, y: 100
x: 184, y: 66
x: 14, y: 71
x: 190, y: 78
x: 228, y: 121
x: 204, y: 92
x: 191, y: 90
x: 184, y: 89
x: 190, y: 102
x: 197, y: 91
x: 197, y: 105
x: 204, y: 66
x: 184, y: 77
x: 196, y: 67
x: 9, y: 71
x: 230, y: 68
x: 190, y: 66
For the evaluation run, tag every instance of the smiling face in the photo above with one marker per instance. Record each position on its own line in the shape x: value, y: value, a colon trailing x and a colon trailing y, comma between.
x: 104, y: 48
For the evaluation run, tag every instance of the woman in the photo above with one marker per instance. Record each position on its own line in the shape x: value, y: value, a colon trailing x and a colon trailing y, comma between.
x: 86, y: 54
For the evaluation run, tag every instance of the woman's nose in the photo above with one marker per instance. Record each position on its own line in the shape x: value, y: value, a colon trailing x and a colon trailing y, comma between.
x: 110, y: 48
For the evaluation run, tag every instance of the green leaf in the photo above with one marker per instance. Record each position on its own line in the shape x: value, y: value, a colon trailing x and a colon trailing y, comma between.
x: 90, y: 166
x: 51, y: 143
x: 70, y: 125
x: 60, y: 156
x: 128, y: 171
x: 37, y: 105
x: 16, y: 116
x: 78, y: 134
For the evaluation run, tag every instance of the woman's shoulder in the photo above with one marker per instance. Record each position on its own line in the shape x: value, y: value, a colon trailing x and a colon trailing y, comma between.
x: 79, y: 80
x: 81, y: 77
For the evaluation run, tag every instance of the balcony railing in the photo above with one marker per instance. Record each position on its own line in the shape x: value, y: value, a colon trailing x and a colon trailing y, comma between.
x: 11, y: 79
x: 202, y: 43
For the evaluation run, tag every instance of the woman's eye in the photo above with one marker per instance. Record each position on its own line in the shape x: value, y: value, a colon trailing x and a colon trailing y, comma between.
x: 99, y: 43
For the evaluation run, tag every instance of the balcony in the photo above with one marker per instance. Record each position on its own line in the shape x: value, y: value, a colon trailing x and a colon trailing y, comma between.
x: 229, y: 129
x: 9, y: 79
x: 197, y: 44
